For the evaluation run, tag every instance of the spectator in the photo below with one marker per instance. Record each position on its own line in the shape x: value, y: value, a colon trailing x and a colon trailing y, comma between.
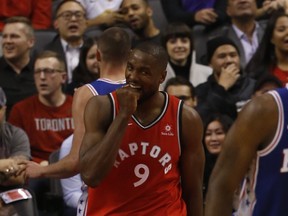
x: 49, y: 111
x: 87, y: 69
x: 16, y: 64
x: 46, y: 117
x: 227, y: 89
x: 244, y: 30
x: 70, y: 22
x: 14, y: 149
x: 39, y: 12
x: 271, y: 55
x: 102, y: 13
x: 193, y: 12
x: 113, y: 48
x: 215, y: 130
x: 177, y: 40
x: 266, y: 83
x: 182, y: 89
x: 138, y: 16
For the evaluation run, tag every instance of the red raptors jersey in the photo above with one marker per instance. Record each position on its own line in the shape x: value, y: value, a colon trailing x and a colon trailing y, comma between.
x: 145, y: 178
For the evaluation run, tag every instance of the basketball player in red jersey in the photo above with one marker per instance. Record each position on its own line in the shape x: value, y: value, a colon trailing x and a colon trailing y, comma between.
x: 142, y: 153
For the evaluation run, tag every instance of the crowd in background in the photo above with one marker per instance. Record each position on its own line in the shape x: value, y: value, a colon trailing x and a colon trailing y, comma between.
x: 221, y: 54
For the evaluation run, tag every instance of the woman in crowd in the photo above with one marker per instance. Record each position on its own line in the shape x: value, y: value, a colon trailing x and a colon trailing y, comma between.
x: 216, y: 127
x: 177, y: 40
x: 87, y: 70
x: 271, y: 55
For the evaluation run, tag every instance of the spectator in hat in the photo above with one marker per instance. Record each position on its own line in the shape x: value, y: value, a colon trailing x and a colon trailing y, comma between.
x: 14, y: 150
x: 14, y: 147
x: 244, y: 30
x: 227, y: 89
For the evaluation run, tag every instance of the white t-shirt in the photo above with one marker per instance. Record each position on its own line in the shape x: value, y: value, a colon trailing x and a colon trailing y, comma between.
x: 96, y: 7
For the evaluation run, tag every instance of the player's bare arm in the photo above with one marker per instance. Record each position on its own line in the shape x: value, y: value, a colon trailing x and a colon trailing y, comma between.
x: 68, y: 166
x: 246, y: 136
x: 192, y: 161
x: 103, y: 136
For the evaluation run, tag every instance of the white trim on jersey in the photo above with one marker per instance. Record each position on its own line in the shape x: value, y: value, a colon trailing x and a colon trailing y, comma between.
x: 280, y: 126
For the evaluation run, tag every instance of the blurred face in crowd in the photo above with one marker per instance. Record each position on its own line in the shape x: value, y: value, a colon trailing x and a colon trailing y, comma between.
x: 49, y: 76
x: 2, y: 113
x: 182, y: 92
x: 223, y: 56
x: 16, y: 41
x: 214, y: 137
x: 136, y: 13
x: 241, y: 8
x: 178, y: 49
x: 280, y: 35
x: 70, y: 21
x: 265, y: 88
x: 91, y: 60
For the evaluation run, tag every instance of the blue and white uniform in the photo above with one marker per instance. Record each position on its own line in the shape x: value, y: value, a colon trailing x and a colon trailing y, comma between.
x: 104, y: 86
x: 265, y: 188
x: 100, y: 86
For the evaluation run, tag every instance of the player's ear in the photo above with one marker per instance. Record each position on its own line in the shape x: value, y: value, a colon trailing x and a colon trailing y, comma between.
x: 163, y: 76
x: 98, y: 55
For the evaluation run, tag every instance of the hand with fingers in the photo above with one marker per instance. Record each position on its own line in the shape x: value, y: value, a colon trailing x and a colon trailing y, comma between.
x: 11, y: 167
x: 33, y: 169
x: 229, y: 75
x: 128, y: 97
x: 110, y: 17
x: 206, y: 16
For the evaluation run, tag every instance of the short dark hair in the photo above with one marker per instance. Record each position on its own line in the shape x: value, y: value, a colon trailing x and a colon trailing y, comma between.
x: 24, y: 20
x: 64, y: 2
x: 156, y: 51
x: 175, y: 30
x: 145, y: 2
x: 51, y: 54
x: 224, y: 120
x: 114, y: 44
x: 178, y: 80
x: 267, y: 78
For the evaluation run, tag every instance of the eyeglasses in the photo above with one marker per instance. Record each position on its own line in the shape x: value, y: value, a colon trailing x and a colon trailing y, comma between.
x: 47, y: 71
x: 67, y: 15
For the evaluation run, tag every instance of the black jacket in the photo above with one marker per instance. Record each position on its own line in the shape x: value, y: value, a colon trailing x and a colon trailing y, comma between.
x: 214, y: 98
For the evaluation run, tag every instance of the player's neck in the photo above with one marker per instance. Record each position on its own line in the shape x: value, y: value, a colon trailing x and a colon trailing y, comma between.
x: 149, y: 109
x: 114, y: 73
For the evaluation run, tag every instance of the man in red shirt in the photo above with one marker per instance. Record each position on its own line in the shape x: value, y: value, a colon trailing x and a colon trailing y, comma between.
x: 47, y: 116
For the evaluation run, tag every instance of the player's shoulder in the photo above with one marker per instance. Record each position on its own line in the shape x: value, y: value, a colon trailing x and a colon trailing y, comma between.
x: 260, y: 105
x: 82, y: 95
x: 191, y: 118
